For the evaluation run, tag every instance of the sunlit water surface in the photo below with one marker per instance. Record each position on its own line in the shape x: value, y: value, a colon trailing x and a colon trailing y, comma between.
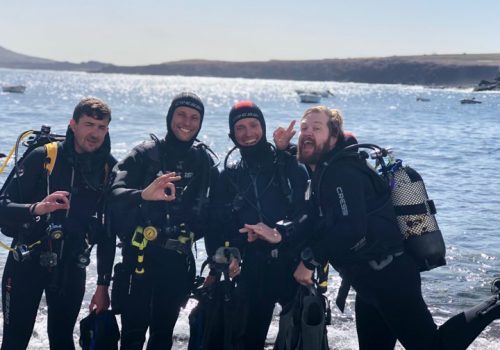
x: 455, y: 147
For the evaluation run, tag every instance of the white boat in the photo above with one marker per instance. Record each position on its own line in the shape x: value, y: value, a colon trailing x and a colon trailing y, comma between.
x: 19, y: 89
x: 322, y: 93
x: 326, y: 93
x: 309, y: 98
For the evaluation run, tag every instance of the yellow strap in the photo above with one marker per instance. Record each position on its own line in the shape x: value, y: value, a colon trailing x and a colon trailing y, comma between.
x: 34, y: 244
x: 4, y: 165
x: 51, y: 149
x: 5, y: 246
x: 6, y: 161
x: 326, y: 268
x: 31, y: 246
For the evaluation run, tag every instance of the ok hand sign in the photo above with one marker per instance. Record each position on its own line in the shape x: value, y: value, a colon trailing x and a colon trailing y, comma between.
x: 161, y: 189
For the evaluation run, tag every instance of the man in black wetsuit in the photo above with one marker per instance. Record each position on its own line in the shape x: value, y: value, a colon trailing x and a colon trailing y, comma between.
x: 160, y: 197
x: 262, y: 188
x: 361, y: 239
x: 57, y: 217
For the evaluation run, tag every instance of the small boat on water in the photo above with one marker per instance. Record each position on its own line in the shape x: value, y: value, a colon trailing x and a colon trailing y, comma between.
x: 489, y: 87
x: 485, y: 85
x: 469, y: 101
x: 18, y: 89
x: 423, y: 99
x: 322, y: 93
x: 309, y: 98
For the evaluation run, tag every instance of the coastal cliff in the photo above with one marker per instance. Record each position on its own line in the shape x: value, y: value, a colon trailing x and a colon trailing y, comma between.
x: 450, y: 70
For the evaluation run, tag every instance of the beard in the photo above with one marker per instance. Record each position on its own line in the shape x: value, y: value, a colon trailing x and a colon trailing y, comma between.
x: 315, y: 157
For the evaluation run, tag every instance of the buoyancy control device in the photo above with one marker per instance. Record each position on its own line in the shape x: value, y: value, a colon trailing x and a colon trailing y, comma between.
x: 31, y: 139
x: 415, y: 212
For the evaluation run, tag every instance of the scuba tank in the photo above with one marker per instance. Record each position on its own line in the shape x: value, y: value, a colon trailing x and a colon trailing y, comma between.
x: 34, y: 139
x: 415, y: 212
x: 31, y: 139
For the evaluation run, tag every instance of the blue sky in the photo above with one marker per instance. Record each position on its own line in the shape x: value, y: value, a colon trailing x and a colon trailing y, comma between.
x: 146, y: 31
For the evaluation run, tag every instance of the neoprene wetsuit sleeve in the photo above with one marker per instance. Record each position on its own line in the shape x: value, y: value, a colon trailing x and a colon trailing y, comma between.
x: 23, y: 190
x: 343, y: 202
x: 128, y: 180
x: 292, y: 149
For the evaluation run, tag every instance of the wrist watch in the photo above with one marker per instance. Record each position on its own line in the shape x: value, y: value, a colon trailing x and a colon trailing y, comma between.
x: 307, y: 257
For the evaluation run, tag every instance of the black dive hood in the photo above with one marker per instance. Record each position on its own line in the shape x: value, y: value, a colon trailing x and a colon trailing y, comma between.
x: 184, y: 99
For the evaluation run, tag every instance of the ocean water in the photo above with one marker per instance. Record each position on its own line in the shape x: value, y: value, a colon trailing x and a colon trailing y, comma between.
x: 455, y: 147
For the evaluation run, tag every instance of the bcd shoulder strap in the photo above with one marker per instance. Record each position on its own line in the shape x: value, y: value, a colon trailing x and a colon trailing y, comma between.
x: 50, y: 160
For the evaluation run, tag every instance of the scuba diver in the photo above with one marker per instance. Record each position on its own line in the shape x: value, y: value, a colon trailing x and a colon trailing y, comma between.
x: 359, y: 235
x: 55, y: 217
x: 160, y: 197
x: 262, y: 188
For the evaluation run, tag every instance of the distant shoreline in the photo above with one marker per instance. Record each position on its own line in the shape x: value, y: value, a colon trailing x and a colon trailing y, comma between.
x: 383, y: 71
x: 462, y: 71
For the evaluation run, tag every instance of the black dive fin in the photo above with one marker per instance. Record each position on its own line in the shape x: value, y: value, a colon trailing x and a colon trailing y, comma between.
x: 288, y: 337
x: 313, y: 325
x: 302, y: 323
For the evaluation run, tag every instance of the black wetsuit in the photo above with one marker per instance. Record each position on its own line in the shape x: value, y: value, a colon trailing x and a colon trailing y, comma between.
x: 359, y: 236
x: 155, y: 297
x: 64, y: 285
x: 255, y: 190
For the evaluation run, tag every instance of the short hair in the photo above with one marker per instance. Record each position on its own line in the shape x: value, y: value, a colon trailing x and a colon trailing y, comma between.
x: 335, y: 120
x: 92, y: 107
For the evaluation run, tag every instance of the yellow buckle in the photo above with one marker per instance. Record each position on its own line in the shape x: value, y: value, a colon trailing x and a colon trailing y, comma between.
x: 138, y: 239
x: 185, y: 239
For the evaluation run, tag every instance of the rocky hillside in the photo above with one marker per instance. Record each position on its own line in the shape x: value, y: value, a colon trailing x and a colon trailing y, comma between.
x: 454, y: 70
x: 11, y: 59
x: 391, y: 70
